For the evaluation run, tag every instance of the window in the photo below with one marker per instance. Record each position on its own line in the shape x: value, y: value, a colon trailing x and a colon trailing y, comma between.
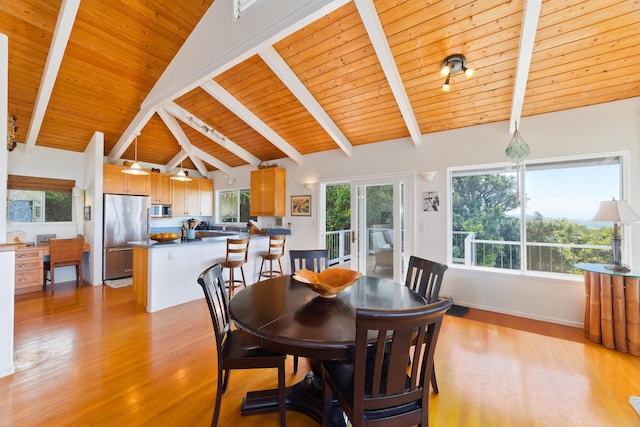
x: 553, y: 231
x: 32, y: 199
x: 233, y: 206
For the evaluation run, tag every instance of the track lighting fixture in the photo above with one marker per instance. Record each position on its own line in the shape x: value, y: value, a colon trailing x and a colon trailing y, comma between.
x: 454, y: 64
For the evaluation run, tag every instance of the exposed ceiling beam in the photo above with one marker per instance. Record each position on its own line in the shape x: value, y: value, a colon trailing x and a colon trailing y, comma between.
x: 134, y: 128
x: 66, y: 18
x: 183, y: 140
x: 527, y: 39
x: 226, y: 99
x: 208, y: 131
x: 288, y: 77
x: 372, y: 23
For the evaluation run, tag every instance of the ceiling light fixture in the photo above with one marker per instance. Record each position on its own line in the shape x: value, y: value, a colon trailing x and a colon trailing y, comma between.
x: 454, y: 64
x: 134, y: 168
x: 181, y: 175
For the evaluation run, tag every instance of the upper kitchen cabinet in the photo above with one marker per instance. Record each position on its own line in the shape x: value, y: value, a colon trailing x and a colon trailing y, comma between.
x: 116, y: 182
x: 268, y: 192
x: 193, y: 197
x: 161, y: 189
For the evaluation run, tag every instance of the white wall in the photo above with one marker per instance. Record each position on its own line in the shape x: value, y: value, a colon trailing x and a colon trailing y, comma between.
x: 611, y: 127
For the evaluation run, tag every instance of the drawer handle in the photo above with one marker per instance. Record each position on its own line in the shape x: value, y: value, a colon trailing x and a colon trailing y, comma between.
x: 22, y: 279
x: 23, y: 266
x: 22, y: 256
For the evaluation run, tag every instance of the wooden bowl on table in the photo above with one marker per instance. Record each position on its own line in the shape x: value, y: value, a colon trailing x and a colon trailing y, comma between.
x: 329, y: 282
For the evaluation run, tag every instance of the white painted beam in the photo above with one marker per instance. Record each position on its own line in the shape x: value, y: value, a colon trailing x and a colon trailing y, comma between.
x: 134, y: 128
x: 66, y: 18
x: 527, y: 39
x: 372, y: 23
x: 226, y: 99
x: 208, y: 131
x: 288, y: 77
x: 184, y: 142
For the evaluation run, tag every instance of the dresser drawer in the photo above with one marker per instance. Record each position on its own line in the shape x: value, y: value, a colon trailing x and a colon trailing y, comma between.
x: 28, y: 254
x: 25, y: 279
x: 28, y: 264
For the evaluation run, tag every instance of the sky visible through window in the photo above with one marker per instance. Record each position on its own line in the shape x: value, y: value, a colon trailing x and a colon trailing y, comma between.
x: 572, y: 193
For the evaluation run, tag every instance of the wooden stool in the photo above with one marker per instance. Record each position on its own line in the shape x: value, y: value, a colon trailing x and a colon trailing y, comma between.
x: 275, y: 252
x: 237, y: 255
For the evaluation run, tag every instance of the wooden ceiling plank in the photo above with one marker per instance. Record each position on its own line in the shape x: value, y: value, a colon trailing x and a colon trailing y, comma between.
x: 530, y: 18
x: 208, y: 131
x: 288, y: 77
x: 66, y: 18
x: 226, y: 99
x: 372, y: 23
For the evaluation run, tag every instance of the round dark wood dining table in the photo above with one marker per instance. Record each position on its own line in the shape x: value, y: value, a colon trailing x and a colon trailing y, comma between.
x: 288, y: 317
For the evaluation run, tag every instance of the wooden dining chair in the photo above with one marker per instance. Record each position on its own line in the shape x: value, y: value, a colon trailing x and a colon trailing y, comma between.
x: 375, y: 387
x: 274, y: 253
x: 315, y: 260
x: 425, y: 278
x: 236, y: 257
x: 64, y: 253
x: 233, y: 350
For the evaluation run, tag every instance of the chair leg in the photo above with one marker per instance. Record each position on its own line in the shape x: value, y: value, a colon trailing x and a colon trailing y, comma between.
x: 295, y: 364
x: 219, y: 391
x: 226, y: 374
x: 434, y: 383
x: 281, y: 389
x: 244, y: 281
x: 260, y: 273
x: 231, y: 282
x: 327, y: 403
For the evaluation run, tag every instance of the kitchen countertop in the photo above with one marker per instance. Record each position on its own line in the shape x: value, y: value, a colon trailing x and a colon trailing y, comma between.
x: 219, y: 237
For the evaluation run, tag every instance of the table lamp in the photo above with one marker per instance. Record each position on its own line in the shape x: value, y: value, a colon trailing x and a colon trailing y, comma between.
x: 618, y: 212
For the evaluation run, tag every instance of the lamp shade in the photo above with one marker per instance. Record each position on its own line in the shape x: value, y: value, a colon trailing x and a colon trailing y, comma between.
x: 615, y: 211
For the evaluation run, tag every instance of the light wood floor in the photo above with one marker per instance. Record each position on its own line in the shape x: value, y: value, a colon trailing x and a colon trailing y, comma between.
x: 93, y: 357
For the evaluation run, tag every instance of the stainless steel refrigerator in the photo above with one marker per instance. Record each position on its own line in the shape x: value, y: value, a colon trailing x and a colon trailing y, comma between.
x: 126, y: 219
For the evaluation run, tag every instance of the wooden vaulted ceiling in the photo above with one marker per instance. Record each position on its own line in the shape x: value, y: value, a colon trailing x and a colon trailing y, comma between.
x: 364, y: 72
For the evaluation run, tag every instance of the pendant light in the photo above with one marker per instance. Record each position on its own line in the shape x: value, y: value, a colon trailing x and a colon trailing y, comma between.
x: 181, y: 175
x: 134, y: 168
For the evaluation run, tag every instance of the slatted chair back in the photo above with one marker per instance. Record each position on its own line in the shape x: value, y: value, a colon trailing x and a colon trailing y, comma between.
x: 386, y: 389
x: 425, y: 277
x: 215, y: 293
x: 315, y: 260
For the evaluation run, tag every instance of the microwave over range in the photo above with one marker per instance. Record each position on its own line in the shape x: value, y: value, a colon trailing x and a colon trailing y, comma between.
x: 160, y: 211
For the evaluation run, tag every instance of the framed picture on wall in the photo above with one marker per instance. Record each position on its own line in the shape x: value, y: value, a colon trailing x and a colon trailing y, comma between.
x: 300, y: 205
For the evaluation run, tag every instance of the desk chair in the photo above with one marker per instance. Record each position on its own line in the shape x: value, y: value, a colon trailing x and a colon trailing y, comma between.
x: 275, y: 253
x: 63, y: 253
x: 315, y: 260
x: 425, y: 278
x: 374, y: 388
x: 237, y: 255
x: 233, y: 350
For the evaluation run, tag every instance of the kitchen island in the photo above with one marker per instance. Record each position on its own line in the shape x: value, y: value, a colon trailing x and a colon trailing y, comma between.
x: 165, y: 273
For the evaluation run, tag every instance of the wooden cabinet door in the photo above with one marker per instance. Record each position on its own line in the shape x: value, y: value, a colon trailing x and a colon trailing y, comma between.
x: 113, y: 179
x: 268, y: 191
x: 138, y: 184
x: 192, y: 197
x: 179, y: 206
x: 206, y: 197
x: 161, y: 188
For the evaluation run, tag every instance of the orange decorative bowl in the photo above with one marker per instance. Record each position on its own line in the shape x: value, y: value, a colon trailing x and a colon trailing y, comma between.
x: 329, y: 282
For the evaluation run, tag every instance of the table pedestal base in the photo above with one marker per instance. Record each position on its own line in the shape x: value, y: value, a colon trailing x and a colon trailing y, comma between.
x: 304, y: 397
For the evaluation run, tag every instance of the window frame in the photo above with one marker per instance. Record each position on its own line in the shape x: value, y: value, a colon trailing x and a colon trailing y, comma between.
x: 42, y: 186
x: 238, y: 191
x: 521, y: 170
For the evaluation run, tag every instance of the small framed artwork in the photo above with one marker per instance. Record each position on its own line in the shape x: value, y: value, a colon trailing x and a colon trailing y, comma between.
x: 87, y: 213
x: 430, y: 201
x: 300, y: 205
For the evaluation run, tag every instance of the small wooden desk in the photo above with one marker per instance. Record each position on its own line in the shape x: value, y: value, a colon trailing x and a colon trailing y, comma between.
x: 612, y: 308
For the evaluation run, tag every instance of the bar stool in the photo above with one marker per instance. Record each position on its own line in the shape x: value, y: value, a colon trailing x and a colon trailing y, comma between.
x: 237, y: 255
x: 275, y: 252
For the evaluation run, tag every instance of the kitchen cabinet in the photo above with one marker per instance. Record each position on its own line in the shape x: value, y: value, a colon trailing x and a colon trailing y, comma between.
x: 29, y: 269
x: 268, y: 191
x: 206, y: 197
x: 161, y: 188
x: 116, y: 182
x: 193, y: 197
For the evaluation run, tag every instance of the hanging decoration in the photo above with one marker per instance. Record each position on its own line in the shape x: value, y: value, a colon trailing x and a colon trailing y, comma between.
x: 12, y: 127
x: 518, y: 149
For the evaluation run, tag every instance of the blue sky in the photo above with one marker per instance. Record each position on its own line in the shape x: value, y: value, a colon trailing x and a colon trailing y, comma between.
x: 572, y: 193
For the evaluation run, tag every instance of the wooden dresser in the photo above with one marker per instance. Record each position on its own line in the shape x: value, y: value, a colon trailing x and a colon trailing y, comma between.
x: 29, y: 269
